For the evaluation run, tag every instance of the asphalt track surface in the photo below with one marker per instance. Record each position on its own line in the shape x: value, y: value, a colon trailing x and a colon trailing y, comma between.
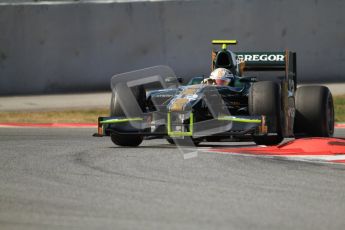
x: 66, y: 179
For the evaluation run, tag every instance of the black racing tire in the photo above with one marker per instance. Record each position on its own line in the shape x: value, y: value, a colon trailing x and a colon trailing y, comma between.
x: 265, y: 99
x: 314, y: 111
x: 131, y: 140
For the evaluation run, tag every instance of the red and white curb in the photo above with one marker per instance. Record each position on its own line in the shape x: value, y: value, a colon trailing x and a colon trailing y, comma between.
x: 326, y: 150
x: 340, y: 125
x: 48, y: 125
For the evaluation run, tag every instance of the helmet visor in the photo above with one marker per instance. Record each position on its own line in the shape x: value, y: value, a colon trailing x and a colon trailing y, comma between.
x: 222, y: 82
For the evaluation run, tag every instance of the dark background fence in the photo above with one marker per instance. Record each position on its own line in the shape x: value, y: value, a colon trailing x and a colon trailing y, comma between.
x: 75, y: 47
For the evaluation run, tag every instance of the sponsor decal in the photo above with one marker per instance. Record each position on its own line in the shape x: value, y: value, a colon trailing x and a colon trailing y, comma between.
x: 260, y: 58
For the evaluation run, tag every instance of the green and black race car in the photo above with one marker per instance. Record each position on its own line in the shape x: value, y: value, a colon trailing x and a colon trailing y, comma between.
x: 243, y: 109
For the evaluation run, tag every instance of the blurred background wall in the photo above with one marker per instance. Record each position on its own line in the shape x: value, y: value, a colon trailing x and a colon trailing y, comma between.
x: 77, y: 46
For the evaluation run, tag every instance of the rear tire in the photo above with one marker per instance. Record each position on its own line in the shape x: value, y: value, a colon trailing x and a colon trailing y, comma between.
x: 265, y: 99
x: 314, y: 111
x: 131, y: 140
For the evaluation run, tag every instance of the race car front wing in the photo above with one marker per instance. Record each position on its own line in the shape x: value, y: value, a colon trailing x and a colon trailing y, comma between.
x: 172, y: 124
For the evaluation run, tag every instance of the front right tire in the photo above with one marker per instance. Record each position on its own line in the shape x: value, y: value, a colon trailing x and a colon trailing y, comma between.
x: 265, y: 99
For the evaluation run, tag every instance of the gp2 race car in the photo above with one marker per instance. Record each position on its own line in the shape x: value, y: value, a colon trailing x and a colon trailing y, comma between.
x: 245, y: 109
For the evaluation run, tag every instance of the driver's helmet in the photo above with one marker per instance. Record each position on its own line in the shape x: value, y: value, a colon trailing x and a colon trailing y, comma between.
x: 222, y: 76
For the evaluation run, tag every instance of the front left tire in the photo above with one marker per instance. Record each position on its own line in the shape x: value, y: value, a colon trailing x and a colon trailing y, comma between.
x: 130, y: 140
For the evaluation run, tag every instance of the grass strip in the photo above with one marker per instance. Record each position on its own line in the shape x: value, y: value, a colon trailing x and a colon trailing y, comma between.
x: 339, y: 108
x: 65, y: 116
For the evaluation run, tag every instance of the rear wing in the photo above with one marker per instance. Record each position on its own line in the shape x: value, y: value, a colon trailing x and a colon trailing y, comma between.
x: 269, y: 61
x: 260, y: 61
